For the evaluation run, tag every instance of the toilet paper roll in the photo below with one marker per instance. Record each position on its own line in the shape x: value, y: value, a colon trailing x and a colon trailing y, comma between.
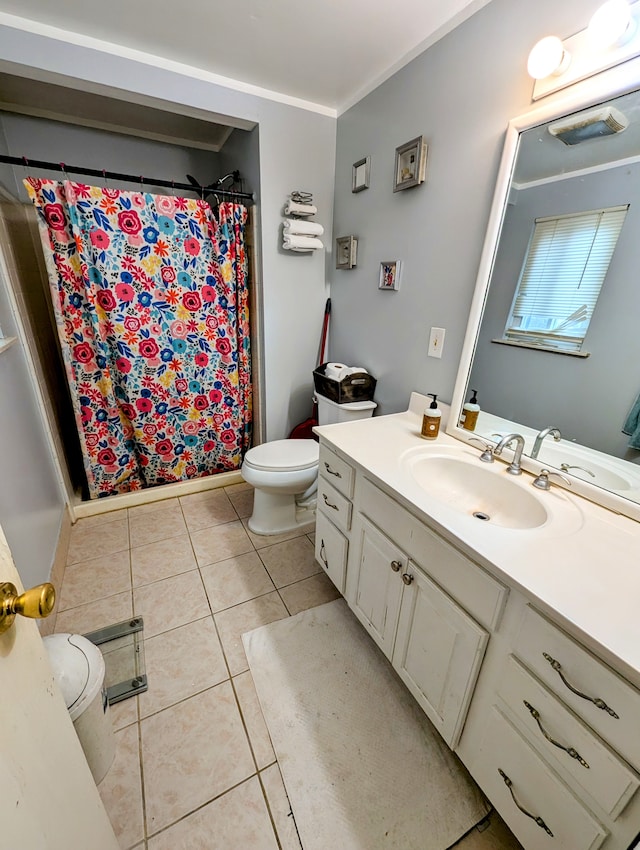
x: 350, y: 370
x: 332, y: 370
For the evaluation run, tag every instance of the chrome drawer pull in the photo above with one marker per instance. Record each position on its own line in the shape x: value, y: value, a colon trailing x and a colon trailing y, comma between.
x: 323, y: 557
x: 330, y: 471
x: 599, y: 703
x: 329, y: 504
x: 396, y: 566
x: 569, y: 750
x: 535, y: 818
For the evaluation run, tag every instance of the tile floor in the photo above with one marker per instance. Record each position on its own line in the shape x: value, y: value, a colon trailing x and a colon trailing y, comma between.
x: 194, y: 764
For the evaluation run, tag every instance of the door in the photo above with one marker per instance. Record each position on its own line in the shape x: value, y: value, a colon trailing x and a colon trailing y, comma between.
x: 438, y: 653
x: 379, y: 586
x: 48, y: 799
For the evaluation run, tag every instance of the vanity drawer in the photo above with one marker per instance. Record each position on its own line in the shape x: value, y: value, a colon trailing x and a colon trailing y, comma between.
x: 331, y: 550
x: 607, y: 779
x: 565, y: 665
x: 332, y: 503
x: 338, y: 471
x: 534, y: 787
x: 471, y: 586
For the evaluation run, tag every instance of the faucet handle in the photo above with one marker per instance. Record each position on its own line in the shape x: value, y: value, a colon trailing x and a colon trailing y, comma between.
x: 487, y: 454
x: 541, y: 481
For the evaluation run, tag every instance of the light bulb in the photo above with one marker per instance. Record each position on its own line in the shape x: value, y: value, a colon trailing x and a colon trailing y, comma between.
x: 612, y: 24
x: 548, y: 57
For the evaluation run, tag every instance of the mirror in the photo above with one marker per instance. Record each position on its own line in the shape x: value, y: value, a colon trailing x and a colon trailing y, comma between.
x: 588, y: 394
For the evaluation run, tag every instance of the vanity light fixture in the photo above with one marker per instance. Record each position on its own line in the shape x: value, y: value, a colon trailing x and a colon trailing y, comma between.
x: 611, y: 25
x: 548, y: 57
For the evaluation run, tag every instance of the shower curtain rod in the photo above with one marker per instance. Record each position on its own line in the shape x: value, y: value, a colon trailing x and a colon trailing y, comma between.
x: 115, y: 175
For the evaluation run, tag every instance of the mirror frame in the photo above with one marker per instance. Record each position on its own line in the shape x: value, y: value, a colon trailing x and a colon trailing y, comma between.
x: 617, y: 81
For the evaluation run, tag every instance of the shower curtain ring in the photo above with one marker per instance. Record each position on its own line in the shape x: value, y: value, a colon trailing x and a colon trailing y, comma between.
x: 141, y: 189
x: 63, y: 169
x: 104, y: 177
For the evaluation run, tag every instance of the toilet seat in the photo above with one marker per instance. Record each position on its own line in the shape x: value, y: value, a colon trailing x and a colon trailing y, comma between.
x: 283, y: 455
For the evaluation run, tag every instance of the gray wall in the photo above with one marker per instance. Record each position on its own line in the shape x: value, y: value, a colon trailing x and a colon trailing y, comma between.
x: 459, y: 94
x: 588, y: 399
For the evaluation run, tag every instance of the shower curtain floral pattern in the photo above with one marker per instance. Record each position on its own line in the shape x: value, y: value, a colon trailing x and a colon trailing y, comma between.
x: 151, y: 306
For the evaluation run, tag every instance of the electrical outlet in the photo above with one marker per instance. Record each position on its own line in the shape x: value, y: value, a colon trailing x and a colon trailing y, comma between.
x: 436, y: 342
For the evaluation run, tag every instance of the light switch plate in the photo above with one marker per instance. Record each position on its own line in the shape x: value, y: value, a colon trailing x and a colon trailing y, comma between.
x: 436, y: 342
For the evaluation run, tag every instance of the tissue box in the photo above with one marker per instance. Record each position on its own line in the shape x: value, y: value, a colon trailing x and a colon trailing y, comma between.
x: 357, y: 387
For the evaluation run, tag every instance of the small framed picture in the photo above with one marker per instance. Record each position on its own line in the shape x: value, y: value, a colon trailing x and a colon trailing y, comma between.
x: 411, y: 164
x: 360, y: 174
x: 390, y: 275
x: 346, y: 252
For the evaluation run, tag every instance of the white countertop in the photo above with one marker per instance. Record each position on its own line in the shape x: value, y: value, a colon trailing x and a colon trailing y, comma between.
x: 589, y: 577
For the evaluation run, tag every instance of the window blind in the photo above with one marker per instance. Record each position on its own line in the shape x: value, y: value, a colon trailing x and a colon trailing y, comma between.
x: 565, y: 267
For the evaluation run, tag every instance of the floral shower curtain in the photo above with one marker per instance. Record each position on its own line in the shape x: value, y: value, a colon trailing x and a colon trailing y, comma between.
x: 151, y: 305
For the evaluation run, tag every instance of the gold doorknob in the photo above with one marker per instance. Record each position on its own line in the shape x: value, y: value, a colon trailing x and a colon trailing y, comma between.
x: 37, y: 602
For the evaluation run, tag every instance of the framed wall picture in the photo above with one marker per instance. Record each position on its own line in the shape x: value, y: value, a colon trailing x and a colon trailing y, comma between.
x: 360, y: 174
x: 390, y: 275
x: 411, y: 164
x: 346, y: 252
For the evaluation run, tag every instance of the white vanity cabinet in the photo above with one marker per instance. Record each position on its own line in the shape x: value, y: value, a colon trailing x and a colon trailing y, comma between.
x: 333, y: 517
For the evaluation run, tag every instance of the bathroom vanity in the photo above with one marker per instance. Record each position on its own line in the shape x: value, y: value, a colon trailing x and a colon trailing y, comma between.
x: 517, y: 634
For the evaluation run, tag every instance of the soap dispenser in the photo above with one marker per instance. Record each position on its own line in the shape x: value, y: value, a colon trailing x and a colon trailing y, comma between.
x: 470, y: 412
x: 431, y: 419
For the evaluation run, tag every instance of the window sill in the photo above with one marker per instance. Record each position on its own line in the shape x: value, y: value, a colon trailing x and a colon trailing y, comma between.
x: 532, y: 347
x: 7, y: 342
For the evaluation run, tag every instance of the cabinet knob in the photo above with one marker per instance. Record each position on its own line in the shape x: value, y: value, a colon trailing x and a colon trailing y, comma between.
x: 407, y: 578
x: 396, y: 566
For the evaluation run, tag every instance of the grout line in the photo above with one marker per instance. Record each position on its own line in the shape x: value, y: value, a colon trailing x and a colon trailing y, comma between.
x: 269, y: 812
x: 142, y: 786
x: 184, y: 699
x: 244, y: 724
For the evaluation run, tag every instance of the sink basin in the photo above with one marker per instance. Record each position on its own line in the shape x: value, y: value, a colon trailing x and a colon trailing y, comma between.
x: 487, y: 493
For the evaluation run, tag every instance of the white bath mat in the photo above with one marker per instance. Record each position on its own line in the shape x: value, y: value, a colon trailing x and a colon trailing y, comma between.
x: 363, y: 767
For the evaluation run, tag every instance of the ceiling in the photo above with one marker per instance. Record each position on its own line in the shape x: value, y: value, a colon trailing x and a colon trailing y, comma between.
x: 328, y: 52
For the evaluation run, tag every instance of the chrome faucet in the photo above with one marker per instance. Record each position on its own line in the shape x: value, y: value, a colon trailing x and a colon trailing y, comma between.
x: 514, y: 467
x: 537, y: 445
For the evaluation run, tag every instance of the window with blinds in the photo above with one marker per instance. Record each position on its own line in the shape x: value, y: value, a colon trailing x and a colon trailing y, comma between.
x: 565, y: 267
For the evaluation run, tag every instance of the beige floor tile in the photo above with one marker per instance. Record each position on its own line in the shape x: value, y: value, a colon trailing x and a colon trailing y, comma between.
x: 220, y: 542
x: 308, y: 593
x: 242, y: 501
x: 124, y: 713
x: 260, y: 541
x: 181, y: 663
x: 234, y: 622
x: 156, y: 525
x: 171, y: 602
x: 152, y: 507
x: 280, y: 808
x: 103, y: 539
x: 290, y: 561
x: 312, y: 538
x: 203, y: 510
x: 193, y: 752
x: 162, y: 559
x: 102, y: 519
x: 237, y: 488
x: 121, y: 789
x: 235, y: 580
x: 497, y: 836
x: 238, y: 820
x: 95, y: 615
x: 96, y: 578
x: 254, y: 720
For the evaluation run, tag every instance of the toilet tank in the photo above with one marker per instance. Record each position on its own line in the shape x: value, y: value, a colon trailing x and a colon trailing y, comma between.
x: 330, y: 412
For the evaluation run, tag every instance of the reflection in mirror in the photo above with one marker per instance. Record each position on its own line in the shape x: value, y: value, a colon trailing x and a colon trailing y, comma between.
x: 559, y: 342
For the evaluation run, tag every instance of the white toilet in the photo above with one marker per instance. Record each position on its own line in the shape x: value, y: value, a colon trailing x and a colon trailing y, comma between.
x: 284, y: 473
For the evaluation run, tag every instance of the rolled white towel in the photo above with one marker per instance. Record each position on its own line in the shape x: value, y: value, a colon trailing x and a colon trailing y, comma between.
x: 304, y: 228
x: 301, y: 243
x: 292, y: 208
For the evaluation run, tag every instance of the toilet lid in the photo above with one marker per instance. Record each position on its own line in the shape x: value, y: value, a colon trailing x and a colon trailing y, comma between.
x: 284, y: 454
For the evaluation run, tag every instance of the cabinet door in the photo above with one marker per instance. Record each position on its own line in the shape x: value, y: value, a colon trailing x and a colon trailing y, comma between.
x: 438, y: 653
x: 379, y: 586
x: 331, y: 550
